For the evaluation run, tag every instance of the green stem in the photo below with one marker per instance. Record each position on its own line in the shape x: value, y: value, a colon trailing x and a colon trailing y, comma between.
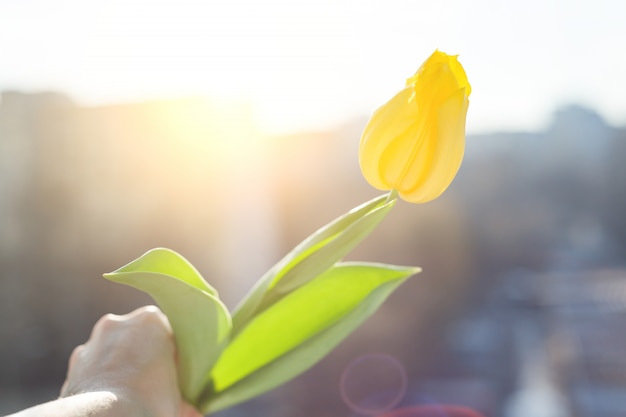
x: 393, y: 194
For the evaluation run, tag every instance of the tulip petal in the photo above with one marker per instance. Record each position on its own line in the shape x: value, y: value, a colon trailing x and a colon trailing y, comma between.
x: 444, y: 153
x: 415, y: 142
x: 397, y: 118
x: 398, y: 158
x: 440, y: 65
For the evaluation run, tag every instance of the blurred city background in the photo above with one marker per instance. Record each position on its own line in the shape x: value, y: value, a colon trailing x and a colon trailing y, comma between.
x: 232, y: 154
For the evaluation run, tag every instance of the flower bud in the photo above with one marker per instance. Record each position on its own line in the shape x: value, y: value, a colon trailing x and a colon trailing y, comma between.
x: 415, y: 142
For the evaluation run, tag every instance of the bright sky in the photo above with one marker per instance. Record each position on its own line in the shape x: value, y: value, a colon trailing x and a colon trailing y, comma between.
x: 314, y: 63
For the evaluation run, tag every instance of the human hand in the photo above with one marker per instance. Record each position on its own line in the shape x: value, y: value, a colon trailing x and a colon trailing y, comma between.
x: 133, y: 357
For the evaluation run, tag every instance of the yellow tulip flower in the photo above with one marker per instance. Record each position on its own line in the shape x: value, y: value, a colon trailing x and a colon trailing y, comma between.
x: 414, y: 144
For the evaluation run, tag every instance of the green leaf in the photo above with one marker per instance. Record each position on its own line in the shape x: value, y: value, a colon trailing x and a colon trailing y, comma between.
x: 311, y: 257
x: 300, y: 329
x: 201, y: 323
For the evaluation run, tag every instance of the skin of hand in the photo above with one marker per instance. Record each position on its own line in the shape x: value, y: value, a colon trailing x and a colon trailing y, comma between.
x: 126, y: 368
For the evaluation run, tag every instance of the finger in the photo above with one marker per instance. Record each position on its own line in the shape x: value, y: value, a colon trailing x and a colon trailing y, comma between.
x: 150, y: 315
x: 147, y: 312
x: 149, y: 309
x: 104, y: 324
x: 64, y: 389
x: 75, y: 356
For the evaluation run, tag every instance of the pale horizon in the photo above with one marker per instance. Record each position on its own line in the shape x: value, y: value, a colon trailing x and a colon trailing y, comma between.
x: 312, y: 65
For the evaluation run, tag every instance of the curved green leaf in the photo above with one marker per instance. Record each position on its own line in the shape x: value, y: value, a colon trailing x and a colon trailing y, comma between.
x: 201, y: 323
x: 168, y: 262
x: 311, y: 257
x: 297, y: 331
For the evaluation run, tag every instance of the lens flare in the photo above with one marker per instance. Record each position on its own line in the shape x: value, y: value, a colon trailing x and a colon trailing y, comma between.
x: 373, y: 384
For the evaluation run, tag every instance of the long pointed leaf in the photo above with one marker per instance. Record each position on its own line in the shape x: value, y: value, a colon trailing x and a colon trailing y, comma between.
x: 311, y: 257
x: 201, y: 323
x: 297, y: 331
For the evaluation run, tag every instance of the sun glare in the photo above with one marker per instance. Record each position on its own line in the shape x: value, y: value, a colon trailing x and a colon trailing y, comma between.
x: 271, y: 54
x: 313, y: 64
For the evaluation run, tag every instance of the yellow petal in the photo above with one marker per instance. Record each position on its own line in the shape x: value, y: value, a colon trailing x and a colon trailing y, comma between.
x: 415, y: 142
x: 390, y: 121
x: 435, y: 64
x: 443, y: 156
